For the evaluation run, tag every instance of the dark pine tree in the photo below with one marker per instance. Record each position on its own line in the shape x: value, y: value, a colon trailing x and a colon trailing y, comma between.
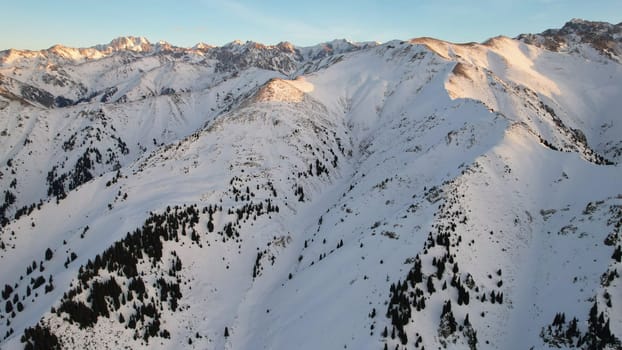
x: 430, y: 285
x: 48, y: 254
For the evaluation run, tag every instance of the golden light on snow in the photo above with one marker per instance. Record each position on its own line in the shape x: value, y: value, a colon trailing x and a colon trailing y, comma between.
x: 280, y: 90
x: 507, y: 58
x: 301, y: 84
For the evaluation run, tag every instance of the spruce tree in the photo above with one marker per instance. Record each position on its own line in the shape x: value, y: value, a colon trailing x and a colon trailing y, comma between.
x: 48, y: 254
x: 430, y: 285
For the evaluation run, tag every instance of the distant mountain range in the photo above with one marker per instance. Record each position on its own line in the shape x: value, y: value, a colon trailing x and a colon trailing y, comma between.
x: 402, y: 195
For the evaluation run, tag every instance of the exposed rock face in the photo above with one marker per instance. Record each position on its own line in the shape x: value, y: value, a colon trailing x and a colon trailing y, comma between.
x: 604, y: 37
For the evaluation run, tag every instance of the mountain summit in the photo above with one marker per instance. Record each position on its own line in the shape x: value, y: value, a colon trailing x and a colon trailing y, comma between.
x: 127, y: 43
x: 602, y: 36
x: 406, y: 195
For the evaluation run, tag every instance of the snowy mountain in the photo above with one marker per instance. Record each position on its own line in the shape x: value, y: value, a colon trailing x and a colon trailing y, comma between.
x: 406, y: 195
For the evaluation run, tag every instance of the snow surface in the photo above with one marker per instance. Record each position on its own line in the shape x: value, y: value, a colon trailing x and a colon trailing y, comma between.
x: 413, y: 136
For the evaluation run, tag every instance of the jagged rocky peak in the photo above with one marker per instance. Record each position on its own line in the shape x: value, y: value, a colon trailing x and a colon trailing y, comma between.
x: 340, y: 44
x: 583, y: 27
x: 164, y: 46
x: 234, y: 43
x: 58, y: 51
x: 126, y: 43
x: 10, y: 56
x: 241, y: 46
x: 604, y: 37
x: 72, y: 53
x: 286, y: 46
x: 130, y: 43
x: 202, y: 46
x: 334, y: 47
x: 237, y: 56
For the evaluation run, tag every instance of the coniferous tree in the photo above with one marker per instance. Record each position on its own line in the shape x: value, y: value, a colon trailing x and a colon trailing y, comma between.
x: 448, y: 323
x: 417, y: 275
x: 430, y: 285
x: 7, y: 291
x: 48, y: 254
x: 403, y: 337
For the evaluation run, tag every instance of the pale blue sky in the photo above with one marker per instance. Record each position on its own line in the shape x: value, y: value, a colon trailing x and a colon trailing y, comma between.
x: 37, y: 24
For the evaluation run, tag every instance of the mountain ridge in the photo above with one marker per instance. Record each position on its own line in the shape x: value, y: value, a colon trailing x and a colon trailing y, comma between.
x: 143, y: 46
x: 575, y: 26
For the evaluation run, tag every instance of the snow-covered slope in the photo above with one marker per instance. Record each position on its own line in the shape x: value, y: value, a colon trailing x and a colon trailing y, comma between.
x: 402, y: 195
